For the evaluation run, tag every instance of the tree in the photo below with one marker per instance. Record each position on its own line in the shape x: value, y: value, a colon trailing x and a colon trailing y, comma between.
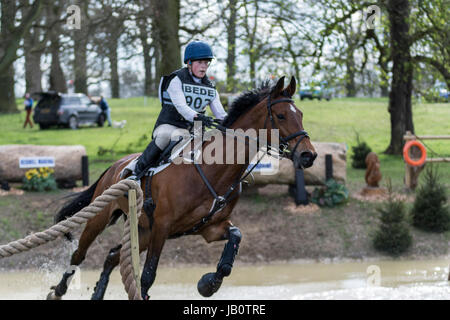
x: 145, y: 31
x: 80, y: 41
x: 230, y: 24
x: 10, y: 37
x: 57, y: 79
x: 166, y: 21
x: 430, y: 211
x: 400, y: 107
x: 33, y: 48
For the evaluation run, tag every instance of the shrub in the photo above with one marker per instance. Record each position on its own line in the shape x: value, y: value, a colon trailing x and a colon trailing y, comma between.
x: 429, y: 211
x: 393, y: 236
x: 360, y: 152
x: 41, y: 179
x: 330, y: 196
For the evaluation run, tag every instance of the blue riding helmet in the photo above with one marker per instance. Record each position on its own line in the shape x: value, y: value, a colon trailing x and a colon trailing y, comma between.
x: 197, y: 50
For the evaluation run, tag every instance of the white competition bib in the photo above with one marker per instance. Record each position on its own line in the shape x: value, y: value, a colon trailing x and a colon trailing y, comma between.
x: 198, y: 97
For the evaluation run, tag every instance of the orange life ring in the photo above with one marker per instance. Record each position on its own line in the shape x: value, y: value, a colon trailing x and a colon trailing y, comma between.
x: 407, y: 158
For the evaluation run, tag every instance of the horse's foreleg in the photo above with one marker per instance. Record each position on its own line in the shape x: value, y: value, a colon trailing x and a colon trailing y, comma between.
x: 157, y: 240
x: 211, y: 282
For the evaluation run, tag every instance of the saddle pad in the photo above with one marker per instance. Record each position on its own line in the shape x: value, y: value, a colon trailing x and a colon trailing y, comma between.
x: 177, y: 150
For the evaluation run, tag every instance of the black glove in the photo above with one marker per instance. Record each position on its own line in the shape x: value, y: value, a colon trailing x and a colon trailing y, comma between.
x: 207, y: 121
x: 218, y: 121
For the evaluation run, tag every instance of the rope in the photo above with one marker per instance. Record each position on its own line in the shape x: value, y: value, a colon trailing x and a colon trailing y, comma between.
x: 126, y: 264
x: 112, y: 193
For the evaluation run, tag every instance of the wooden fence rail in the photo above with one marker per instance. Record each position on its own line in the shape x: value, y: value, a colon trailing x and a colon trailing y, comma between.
x: 412, y: 172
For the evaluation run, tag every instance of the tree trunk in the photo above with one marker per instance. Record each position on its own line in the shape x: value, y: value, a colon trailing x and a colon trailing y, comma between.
x: 231, y: 48
x: 253, y: 71
x: 167, y: 21
x: 115, y: 84
x: 402, y: 73
x: 156, y: 55
x: 33, y: 72
x: 80, y: 62
x: 33, y: 50
x: 10, y: 37
x: 350, y: 76
x: 7, y: 96
x: 143, y: 35
x: 80, y: 37
x: 57, y: 80
x: 384, y: 90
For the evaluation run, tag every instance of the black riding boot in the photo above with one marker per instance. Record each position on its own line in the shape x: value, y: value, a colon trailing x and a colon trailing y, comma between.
x: 146, y: 160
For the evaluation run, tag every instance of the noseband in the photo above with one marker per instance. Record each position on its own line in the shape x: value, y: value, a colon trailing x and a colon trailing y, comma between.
x: 284, y: 141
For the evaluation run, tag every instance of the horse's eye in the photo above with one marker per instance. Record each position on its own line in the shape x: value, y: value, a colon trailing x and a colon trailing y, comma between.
x: 281, y: 117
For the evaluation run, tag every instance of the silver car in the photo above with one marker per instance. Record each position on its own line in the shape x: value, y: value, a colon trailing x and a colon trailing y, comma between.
x: 67, y: 109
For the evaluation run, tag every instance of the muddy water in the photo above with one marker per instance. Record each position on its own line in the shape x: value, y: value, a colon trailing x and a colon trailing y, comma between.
x: 345, y: 280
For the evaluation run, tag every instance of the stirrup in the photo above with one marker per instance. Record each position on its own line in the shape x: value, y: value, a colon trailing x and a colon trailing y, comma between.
x: 133, y: 177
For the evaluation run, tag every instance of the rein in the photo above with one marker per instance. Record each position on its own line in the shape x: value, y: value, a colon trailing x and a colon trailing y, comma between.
x: 220, y: 202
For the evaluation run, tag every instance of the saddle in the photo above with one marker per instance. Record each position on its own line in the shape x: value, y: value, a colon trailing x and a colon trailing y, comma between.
x: 164, y: 160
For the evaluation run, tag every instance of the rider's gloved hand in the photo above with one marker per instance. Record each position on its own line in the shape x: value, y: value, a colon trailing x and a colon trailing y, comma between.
x: 207, y: 121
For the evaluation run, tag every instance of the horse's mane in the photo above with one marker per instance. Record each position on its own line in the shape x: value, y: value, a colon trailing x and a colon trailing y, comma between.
x: 246, y: 101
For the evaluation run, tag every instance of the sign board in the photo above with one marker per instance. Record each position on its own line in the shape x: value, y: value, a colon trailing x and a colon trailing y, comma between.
x: 267, y: 166
x: 36, y: 162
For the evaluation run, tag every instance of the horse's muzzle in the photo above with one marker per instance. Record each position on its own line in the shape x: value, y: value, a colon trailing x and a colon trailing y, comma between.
x: 305, y: 160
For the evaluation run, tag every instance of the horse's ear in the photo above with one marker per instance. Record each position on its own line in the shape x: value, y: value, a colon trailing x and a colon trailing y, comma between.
x: 278, y: 88
x: 292, y: 86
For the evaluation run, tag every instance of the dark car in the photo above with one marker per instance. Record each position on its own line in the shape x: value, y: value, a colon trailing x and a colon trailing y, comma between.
x: 68, y: 110
x: 315, y: 92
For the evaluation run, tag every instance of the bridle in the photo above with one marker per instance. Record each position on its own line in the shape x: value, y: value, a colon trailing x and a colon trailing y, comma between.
x: 284, y: 145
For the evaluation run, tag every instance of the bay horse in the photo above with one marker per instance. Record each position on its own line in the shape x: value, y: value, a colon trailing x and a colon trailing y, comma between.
x: 185, y: 209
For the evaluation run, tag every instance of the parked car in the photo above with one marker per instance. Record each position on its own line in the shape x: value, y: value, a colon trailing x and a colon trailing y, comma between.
x: 315, y: 92
x: 68, y: 110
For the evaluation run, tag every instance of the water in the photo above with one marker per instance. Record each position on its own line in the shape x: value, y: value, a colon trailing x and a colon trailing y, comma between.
x: 417, y: 280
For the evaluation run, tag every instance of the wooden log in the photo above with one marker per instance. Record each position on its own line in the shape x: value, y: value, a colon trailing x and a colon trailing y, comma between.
x: 134, y: 237
x: 438, y: 160
x: 67, y: 161
x: 283, y: 172
x: 433, y: 137
x: 409, y: 136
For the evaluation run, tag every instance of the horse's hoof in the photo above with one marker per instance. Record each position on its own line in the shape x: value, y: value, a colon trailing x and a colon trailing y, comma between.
x: 209, y: 284
x: 52, y: 295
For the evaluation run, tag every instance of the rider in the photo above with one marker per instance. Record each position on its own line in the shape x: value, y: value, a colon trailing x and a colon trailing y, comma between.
x: 184, y: 95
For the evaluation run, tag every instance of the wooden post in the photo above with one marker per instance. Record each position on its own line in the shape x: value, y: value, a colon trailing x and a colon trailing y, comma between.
x: 301, y: 196
x: 328, y: 167
x: 132, y: 215
x: 408, y: 169
x: 85, y: 170
x: 412, y: 173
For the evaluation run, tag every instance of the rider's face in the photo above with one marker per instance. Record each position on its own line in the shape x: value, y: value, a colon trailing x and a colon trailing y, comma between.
x: 199, y: 68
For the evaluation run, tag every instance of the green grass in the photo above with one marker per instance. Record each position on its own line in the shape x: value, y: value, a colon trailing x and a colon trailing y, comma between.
x: 337, y: 120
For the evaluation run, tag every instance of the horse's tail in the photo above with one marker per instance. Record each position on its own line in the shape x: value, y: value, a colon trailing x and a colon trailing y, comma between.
x: 82, y: 199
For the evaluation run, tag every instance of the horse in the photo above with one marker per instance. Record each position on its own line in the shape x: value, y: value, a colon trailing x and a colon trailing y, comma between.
x: 193, y: 207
